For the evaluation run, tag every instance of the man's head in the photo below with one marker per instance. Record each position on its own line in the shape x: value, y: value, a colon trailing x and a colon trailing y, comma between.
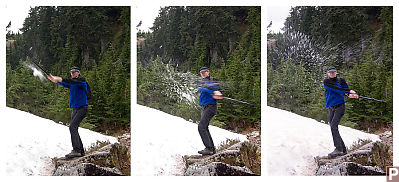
x: 204, y: 71
x: 332, y: 72
x: 75, y: 72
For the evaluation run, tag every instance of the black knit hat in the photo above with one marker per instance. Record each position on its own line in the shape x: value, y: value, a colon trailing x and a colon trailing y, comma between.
x: 332, y: 69
x: 75, y: 68
x: 203, y: 69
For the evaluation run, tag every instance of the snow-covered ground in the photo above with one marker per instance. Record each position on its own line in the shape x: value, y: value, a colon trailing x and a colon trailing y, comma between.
x: 161, y: 140
x: 32, y: 141
x: 293, y: 141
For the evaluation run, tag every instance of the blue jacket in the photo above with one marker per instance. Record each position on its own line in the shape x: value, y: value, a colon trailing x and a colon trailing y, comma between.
x: 336, y: 90
x: 77, y: 91
x: 206, y: 87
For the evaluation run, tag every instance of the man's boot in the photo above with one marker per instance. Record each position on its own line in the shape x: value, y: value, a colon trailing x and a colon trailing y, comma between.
x: 73, y: 154
x: 207, y: 151
x: 335, y: 153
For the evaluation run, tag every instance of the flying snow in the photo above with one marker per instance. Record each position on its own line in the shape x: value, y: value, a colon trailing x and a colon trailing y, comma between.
x: 36, y: 72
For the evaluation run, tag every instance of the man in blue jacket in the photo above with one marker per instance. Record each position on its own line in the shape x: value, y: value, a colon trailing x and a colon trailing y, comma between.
x: 78, y: 102
x: 335, y: 91
x: 209, y: 93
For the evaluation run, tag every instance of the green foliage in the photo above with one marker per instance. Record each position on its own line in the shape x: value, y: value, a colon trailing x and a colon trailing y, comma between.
x: 371, y: 79
x: 97, y: 39
x: 87, y: 125
x: 217, y: 123
x: 291, y: 87
x: 332, y: 25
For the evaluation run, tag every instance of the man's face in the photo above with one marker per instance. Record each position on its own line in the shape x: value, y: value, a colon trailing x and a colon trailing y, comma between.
x: 75, y: 74
x: 332, y: 74
x: 204, y: 74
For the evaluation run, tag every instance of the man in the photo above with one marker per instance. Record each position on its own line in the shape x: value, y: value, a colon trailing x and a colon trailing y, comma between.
x: 78, y: 102
x: 209, y: 93
x: 335, y: 91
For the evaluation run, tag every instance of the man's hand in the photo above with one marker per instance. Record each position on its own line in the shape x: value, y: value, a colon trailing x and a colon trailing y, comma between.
x: 217, y: 95
x: 353, y: 96
x: 51, y: 78
x: 54, y: 79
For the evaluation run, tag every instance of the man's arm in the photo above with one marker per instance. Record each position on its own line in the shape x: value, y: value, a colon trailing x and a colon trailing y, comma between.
x: 208, y: 85
x: 216, y: 87
x: 67, y: 82
x: 202, y: 89
x: 54, y: 79
x: 216, y: 94
x: 210, y: 88
x: 59, y: 80
x: 216, y: 84
x: 336, y: 90
x: 74, y: 81
x: 328, y: 85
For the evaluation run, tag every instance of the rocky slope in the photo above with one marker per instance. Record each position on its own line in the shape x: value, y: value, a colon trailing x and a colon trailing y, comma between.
x: 103, y: 160
x: 369, y: 158
x: 233, y: 159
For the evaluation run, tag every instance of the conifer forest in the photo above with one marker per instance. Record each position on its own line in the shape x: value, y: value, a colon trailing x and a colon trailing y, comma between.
x: 96, y: 39
x: 358, y: 41
x: 227, y: 40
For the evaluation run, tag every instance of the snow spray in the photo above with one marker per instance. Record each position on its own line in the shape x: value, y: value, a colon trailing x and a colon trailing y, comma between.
x: 36, y: 72
x: 179, y: 85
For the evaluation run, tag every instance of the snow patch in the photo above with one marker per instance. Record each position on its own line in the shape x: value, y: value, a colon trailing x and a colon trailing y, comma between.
x: 161, y: 140
x: 32, y: 141
x: 293, y: 141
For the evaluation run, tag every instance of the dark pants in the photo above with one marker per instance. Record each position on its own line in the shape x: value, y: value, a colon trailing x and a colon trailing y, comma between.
x: 208, y: 111
x: 78, y: 114
x: 334, y: 118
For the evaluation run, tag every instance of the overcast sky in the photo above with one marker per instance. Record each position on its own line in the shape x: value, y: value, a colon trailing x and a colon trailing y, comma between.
x: 16, y: 14
x: 277, y: 14
x: 146, y: 13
